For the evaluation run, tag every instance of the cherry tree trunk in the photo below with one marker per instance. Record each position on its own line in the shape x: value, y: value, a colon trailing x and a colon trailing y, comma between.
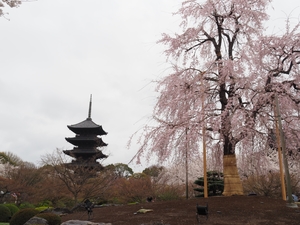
x: 232, y: 181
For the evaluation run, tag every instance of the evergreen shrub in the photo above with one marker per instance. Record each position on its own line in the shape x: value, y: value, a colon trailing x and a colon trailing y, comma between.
x: 47, y: 203
x: 52, y: 218
x: 43, y: 208
x: 13, y: 208
x: 67, y: 202
x: 22, y: 216
x: 26, y: 205
x: 215, y: 184
x: 5, y: 213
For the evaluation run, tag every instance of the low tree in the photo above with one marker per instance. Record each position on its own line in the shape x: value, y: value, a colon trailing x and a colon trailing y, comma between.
x: 24, y: 180
x: 81, y: 182
x: 153, y: 171
x: 52, y: 189
x: 159, y: 177
x: 136, y: 188
x: 120, y: 169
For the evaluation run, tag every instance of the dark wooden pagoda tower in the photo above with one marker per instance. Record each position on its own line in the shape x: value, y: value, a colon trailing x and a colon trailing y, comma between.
x: 86, y: 143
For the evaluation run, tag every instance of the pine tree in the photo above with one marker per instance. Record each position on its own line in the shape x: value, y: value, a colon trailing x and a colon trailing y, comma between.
x: 215, y: 184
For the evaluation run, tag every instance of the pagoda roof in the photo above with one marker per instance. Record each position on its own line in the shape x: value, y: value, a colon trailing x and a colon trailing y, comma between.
x: 87, y: 126
x: 86, y: 139
x: 97, y: 154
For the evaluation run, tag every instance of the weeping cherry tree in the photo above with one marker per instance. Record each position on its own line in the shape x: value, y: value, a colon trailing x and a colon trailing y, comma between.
x: 226, y: 73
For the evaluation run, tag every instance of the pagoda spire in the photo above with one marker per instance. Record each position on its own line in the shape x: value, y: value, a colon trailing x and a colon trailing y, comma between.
x: 90, y: 108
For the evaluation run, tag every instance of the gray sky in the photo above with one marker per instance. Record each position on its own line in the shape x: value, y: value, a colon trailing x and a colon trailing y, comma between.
x: 55, y: 53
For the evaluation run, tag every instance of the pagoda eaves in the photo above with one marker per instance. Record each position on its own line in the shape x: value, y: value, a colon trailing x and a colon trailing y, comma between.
x: 88, y: 140
x: 87, y: 126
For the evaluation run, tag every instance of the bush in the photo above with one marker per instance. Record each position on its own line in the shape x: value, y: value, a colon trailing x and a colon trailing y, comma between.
x: 59, y: 204
x: 169, y: 193
x: 5, y: 213
x: 267, y: 184
x: 52, y: 218
x: 43, y: 208
x: 47, y: 203
x: 22, y: 216
x: 134, y: 189
x: 66, y: 202
x: 26, y: 205
x: 12, y: 208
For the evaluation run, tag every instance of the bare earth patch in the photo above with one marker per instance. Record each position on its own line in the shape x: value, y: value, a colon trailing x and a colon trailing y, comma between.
x: 239, y: 210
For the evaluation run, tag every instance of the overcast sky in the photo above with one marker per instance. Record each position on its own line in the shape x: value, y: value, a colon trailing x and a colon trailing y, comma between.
x: 55, y: 53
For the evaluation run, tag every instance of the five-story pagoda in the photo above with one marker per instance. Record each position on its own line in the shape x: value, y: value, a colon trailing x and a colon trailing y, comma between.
x: 86, y: 143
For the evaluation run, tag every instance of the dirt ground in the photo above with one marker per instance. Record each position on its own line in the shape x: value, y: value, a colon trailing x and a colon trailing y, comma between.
x: 240, y: 210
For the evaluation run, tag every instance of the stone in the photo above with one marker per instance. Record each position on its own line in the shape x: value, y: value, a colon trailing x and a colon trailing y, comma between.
x: 82, y: 222
x: 36, y: 221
